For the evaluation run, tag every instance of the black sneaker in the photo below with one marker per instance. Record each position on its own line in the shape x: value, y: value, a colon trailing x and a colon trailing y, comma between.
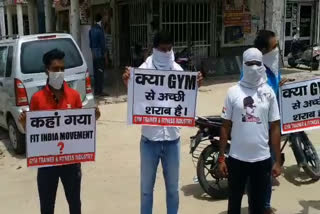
x: 103, y: 94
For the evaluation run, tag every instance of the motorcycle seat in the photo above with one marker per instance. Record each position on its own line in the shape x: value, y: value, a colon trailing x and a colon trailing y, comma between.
x: 214, y: 119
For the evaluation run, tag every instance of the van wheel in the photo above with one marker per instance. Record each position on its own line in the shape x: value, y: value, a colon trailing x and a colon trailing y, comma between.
x: 17, y: 139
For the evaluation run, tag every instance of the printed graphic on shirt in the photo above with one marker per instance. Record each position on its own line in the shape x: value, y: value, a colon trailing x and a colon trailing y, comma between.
x: 224, y: 110
x: 248, y: 115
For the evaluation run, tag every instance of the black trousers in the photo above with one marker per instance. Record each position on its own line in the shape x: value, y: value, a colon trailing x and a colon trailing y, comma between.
x: 257, y: 174
x: 98, y: 74
x: 48, y: 179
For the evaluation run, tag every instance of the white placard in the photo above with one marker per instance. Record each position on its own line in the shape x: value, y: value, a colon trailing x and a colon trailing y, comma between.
x: 60, y: 137
x: 300, y: 106
x: 162, y: 98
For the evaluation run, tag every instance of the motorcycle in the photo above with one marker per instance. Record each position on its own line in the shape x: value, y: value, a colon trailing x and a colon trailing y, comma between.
x: 184, y: 59
x: 304, y: 55
x: 204, y: 148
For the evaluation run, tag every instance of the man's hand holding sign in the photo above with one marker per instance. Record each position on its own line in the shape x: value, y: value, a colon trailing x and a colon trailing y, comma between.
x: 60, y: 137
x: 164, y: 81
x: 162, y: 98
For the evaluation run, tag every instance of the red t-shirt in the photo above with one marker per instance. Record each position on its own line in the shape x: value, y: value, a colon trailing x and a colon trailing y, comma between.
x: 45, y: 99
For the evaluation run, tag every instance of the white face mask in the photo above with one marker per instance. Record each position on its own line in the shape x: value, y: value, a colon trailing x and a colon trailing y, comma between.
x: 56, y: 79
x: 271, y: 60
x: 161, y: 60
x: 99, y: 23
x: 253, y: 76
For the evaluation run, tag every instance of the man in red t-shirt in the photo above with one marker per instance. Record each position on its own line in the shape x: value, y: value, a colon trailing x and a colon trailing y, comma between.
x: 57, y: 95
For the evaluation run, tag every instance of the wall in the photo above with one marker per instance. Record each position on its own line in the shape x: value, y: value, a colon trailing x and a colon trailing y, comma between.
x: 246, y: 21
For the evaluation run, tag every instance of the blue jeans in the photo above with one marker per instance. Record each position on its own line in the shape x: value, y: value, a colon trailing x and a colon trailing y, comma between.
x: 151, y: 153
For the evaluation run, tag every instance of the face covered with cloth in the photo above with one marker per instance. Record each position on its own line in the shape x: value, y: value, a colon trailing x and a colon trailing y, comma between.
x: 254, y: 72
x: 163, y: 60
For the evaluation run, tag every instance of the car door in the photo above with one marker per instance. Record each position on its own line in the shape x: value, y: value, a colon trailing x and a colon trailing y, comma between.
x: 3, y: 67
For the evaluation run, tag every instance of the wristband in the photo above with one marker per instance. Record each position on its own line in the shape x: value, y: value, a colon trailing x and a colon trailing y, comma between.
x: 221, y: 159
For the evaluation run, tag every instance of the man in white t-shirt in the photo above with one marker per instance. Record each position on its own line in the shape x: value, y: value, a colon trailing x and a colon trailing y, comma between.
x: 250, y: 108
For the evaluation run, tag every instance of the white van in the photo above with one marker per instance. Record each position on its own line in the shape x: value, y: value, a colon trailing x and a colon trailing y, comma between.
x: 22, y: 73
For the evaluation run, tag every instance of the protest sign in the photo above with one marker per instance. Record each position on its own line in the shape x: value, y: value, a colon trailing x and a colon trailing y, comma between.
x: 300, y: 106
x: 162, y: 98
x: 60, y: 137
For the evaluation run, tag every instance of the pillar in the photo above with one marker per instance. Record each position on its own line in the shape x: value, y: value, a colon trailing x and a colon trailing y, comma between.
x: 48, y: 15
x: 9, y: 20
x: 2, y: 20
x: 20, y: 19
x: 115, y: 33
x: 41, y: 18
x: 75, y: 21
x: 318, y: 27
x: 31, y: 16
x: 275, y: 18
x: 36, y: 19
x: 57, y: 23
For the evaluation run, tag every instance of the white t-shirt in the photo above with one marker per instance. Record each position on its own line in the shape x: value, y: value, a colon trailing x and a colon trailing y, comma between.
x: 250, y: 112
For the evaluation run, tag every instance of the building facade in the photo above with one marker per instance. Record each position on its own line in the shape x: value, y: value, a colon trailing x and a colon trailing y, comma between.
x: 216, y: 32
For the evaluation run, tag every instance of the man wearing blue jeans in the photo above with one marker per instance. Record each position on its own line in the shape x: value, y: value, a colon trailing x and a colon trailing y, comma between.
x: 151, y: 152
x: 160, y: 143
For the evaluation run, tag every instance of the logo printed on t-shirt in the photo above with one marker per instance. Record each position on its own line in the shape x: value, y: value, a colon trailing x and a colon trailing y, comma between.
x: 249, y: 111
x: 224, y: 110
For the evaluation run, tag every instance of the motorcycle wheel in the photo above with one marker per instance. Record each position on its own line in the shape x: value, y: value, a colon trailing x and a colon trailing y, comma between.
x: 307, y: 150
x: 292, y: 62
x: 315, y: 65
x: 207, y: 169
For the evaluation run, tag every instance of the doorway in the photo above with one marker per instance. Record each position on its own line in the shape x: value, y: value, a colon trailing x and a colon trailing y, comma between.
x: 124, y: 35
x: 299, y: 19
x: 63, y: 21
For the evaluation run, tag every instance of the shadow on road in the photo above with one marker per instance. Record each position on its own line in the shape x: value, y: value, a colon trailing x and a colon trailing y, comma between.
x: 309, y: 207
x: 243, y: 211
x: 5, y: 142
x: 196, y: 191
x: 293, y: 175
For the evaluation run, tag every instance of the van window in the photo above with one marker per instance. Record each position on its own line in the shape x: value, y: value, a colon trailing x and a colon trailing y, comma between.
x: 3, y: 60
x: 9, y: 62
x: 32, y: 54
